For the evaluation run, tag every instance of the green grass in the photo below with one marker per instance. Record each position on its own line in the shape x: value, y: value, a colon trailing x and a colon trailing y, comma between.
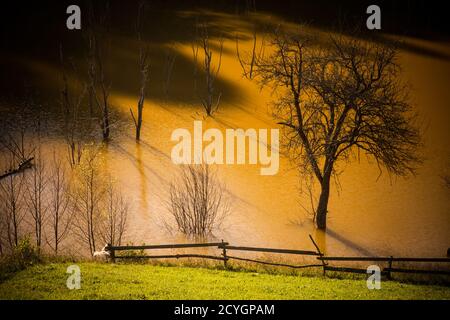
x: 141, y: 281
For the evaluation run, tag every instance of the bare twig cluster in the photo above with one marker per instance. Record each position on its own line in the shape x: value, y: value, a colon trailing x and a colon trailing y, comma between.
x: 60, y: 217
x: 45, y: 202
x: 144, y: 67
x: 197, y: 201
x: 99, y: 210
x: 248, y: 61
x: 210, y: 100
x: 98, y: 87
x: 170, y: 58
x: 75, y: 127
x: 12, y: 211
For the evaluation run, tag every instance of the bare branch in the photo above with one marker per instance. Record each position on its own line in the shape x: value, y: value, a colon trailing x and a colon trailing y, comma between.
x: 209, y: 102
x: 337, y: 99
x: 197, y: 202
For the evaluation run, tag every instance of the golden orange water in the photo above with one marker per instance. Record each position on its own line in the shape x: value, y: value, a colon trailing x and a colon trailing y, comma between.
x: 370, y: 214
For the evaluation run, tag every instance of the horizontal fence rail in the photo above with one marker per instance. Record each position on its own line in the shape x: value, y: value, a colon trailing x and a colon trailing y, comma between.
x: 225, y: 247
x: 386, y: 259
x: 167, y: 246
x: 352, y: 270
x: 417, y: 271
x: 176, y: 256
x: 276, y: 264
x: 270, y: 250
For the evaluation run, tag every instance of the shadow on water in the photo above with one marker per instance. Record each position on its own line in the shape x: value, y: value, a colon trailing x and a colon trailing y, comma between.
x: 327, y: 239
x: 142, y: 175
x: 346, y: 242
x: 140, y: 165
x: 34, y: 33
x: 165, y: 28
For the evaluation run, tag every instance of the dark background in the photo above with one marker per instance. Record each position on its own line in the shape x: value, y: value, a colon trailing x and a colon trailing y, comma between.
x: 34, y: 30
x: 32, y: 25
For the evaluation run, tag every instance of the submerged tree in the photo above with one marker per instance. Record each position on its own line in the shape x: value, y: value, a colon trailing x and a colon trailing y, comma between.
x: 144, y: 70
x: 197, y: 201
x: 248, y: 63
x: 75, y: 127
x: 210, y: 100
x: 98, y: 86
x: 336, y: 101
x: 170, y: 58
x: 15, y: 142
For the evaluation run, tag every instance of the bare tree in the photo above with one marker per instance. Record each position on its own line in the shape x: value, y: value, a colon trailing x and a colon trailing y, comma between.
x: 197, y: 201
x: 100, y: 210
x: 87, y: 198
x: 170, y: 58
x: 144, y: 70
x: 74, y: 128
x: 36, y: 182
x: 248, y: 62
x: 115, y: 215
x: 59, y: 215
x: 16, y: 157
x: 35, y: 199
x: 12, y: 211
x: 14, y: 140
x: 98, y: 88
x: 337, y: 101
x: 209, y: 102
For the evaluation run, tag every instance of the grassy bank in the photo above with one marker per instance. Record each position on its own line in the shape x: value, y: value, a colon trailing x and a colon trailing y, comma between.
x: 139, y: 281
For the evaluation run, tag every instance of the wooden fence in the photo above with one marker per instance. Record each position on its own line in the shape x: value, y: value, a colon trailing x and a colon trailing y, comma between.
x: 322, y: 260
x: 389, y: 260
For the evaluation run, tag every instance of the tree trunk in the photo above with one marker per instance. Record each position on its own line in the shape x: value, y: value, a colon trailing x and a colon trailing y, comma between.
x: 322, y: 208
x: 140, y: 109
x: 105, y: 121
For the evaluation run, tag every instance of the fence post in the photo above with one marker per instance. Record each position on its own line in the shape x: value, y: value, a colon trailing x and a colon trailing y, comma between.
x: 112, y: 255
x: 388, y: 276
x: 324, y: 264
x: 224, y: 253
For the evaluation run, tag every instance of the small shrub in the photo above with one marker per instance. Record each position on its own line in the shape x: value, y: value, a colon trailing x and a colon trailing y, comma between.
x: 23, y: 256
x: 198, y: 201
